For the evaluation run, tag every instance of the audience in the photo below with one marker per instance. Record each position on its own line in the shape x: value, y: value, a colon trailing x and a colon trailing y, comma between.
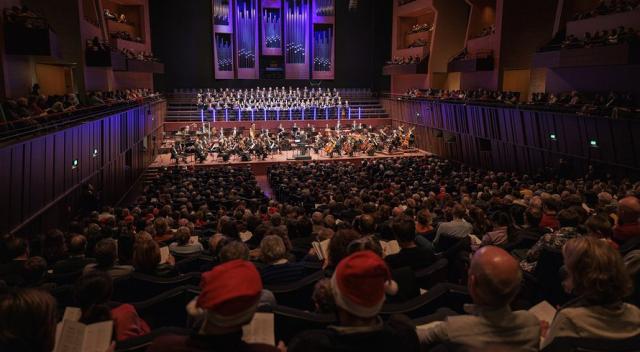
x: 28, y: 320
x: 228, y: 300
x: 106, y: 255
x: 410, y: 254
x: 598, y: 277
x: 606, y: 7
x: 358, y: 287
x: 494, y: 281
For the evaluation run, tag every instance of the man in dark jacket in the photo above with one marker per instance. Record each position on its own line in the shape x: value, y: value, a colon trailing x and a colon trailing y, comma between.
x: 358, y: 286
x: 77, y: 259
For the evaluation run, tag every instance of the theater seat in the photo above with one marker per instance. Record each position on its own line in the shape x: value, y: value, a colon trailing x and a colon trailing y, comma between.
x: 64, y: 279
x: 139, y: 287
x: 546, y: 282
x: 288, y: 322
x: 167, y: 308
x: 433, y: 274
x: 194, y: 264
x: 444, y: 295
x: 296, y: 294
x: 583, y: 344
x: 141, y: 343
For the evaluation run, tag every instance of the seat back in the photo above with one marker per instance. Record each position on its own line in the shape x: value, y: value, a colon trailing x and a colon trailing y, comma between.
x: 442, y: 295
x: 407, y: 285
x: 66, y: 278
x: 549, y: 277
x: 583, y: 344
x: 296, y: 294
x: 289, y: 322
x: 167, y: 308
x: 142, y: 343
x: 433, y: 274
x: 139, y: 287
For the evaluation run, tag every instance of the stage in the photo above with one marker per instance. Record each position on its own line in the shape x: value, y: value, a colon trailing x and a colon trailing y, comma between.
x: 260, y: 166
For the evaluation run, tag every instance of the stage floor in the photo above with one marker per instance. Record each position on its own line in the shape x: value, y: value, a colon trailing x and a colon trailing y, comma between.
x: 164, y: 160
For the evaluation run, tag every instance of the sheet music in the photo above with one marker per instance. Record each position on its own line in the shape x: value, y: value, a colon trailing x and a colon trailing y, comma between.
x: 72, y: 313
x: 543, y: 311
x: 164, y: 254
x: 389, y: 247
x: 98, y: 337
x: 260, y: 329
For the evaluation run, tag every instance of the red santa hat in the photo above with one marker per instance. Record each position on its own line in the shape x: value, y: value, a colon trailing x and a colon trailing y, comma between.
x: 360, y: 283
x: 230, y: 295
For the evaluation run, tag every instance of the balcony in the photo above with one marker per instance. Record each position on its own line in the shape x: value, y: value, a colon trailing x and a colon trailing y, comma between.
x: 621, y: 54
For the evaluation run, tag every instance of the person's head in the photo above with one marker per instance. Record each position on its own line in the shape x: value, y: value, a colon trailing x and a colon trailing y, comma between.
x: 595, y: 271
x: 367, y: 243
x: 232, y: 251
x: 533, y: 216
x: 568, y: 218
x: 458, y: 211
x: 146, y: 256
x: 359, y: 285
x: 35, y: 268
x: 17, y: 248
x: 91, y: 293
x: 339, y: 243
x: 28, y: 320
x: 424, y: 217
x: 404, y: 229
x: 272, y: 249
x: 629, y: 209
x: 500, y: 219
x: 322, y: 297
x: 317, y: 218
x: 54, y: 245
x: 182, y: 235
x: 494, y: 277
x: 367, y: 224
x: 161, y: 226
x: 229, y: 297
x: 106, y: 253
x: 599, y: 226
x: 77, y: 245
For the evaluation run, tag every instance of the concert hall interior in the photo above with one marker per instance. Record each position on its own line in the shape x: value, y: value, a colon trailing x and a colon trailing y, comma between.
x: 319, y: 175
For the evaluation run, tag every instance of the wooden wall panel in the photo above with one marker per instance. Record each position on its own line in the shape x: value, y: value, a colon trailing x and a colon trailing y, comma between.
x: 520, y: 138
x: 39, y: 184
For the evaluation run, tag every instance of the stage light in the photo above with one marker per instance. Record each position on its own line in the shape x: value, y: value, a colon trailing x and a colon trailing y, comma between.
x: 95, y: 152
x: 74, y: 164
x: 593, y: 143
x: 553, y: 137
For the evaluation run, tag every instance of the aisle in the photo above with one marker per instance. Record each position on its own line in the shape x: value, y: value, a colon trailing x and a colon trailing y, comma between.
x: 263, y: 182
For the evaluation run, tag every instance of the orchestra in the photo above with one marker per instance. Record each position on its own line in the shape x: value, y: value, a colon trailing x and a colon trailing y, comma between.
x: 226, y: 145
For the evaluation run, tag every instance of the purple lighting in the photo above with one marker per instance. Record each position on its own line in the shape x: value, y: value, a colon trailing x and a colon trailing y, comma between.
x: 226, y: 115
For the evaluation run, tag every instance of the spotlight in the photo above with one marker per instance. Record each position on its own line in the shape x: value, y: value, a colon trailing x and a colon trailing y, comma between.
x: 95, y: 152
x: 74, y: 164
x: 593, y: 143
x: 553, y: 137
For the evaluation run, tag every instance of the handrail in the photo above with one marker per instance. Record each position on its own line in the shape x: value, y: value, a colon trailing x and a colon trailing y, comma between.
x: 64, y: 119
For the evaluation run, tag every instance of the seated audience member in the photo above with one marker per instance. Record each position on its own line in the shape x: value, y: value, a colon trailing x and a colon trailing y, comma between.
x: 148, y: 260
x: 12, y: 273
x: 278, y: 269
x: 322, y: 297
x: 77, y: 259
x: 54, y: 246
x: 598, y: 226
x: 28, y: 320
x: 233, y: 250
x: 182, y: 245
x: 358, y: 287
x: 92, y: 293
x: 106, y: 259
x: 410, y: 254
x: 424, y: 226
x: 499, y: 236
x: 457, y: 228
x: 229, y: 298
x: 35, y: 274
x: 163, y: 231
x: 597, y: 275
x: 338, y: 248
x: 549, y: 211
x: 532, y: 228
x: 568, y: 221
x: 493, y: 282
x: 628, y: 226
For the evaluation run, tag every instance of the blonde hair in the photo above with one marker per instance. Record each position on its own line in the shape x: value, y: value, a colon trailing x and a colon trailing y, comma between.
x: 596, y: 270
